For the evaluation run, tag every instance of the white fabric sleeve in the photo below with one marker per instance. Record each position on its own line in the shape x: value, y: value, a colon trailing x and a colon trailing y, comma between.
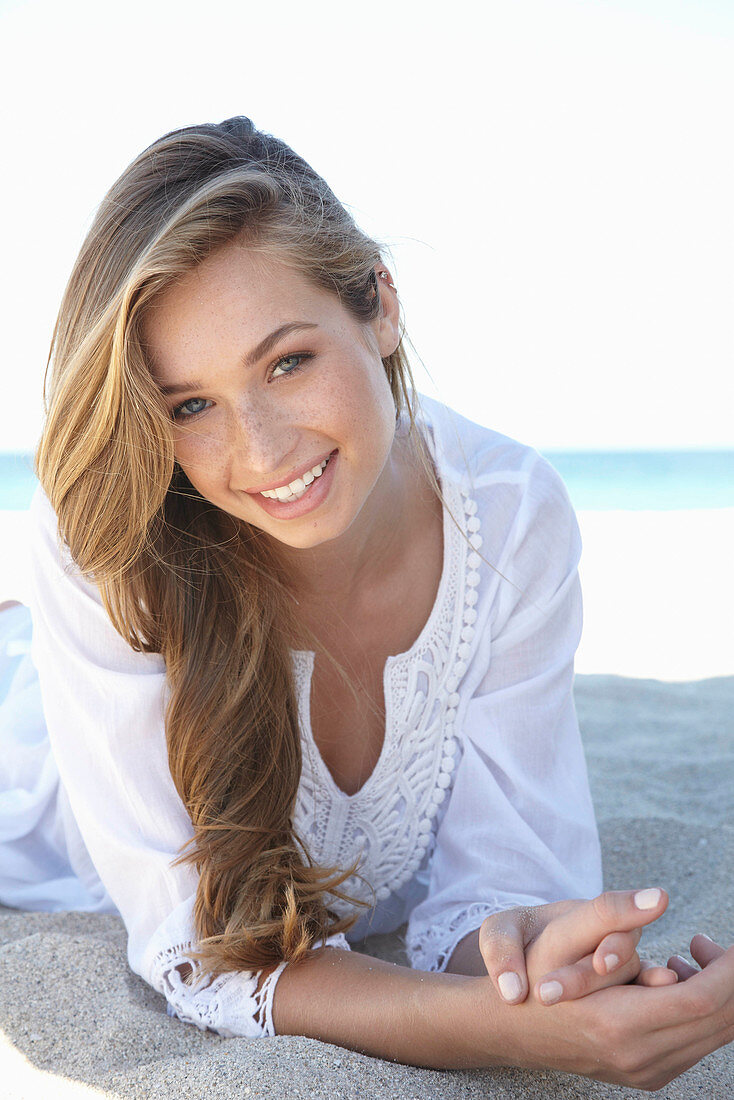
x: 519, y: 828
x: 104, y: 708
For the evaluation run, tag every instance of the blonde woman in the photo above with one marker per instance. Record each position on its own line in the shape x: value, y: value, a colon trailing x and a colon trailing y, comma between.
x: 305, y: 652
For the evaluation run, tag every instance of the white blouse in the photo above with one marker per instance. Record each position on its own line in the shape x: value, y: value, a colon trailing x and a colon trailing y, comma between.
x: 478, y: 802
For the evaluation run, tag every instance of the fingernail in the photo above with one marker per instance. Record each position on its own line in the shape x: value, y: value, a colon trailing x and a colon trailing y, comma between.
x: 510, y: 985
x: 705, y: 937
x: 647, y: 899
x: 550, y: 992
x: 611, y: 962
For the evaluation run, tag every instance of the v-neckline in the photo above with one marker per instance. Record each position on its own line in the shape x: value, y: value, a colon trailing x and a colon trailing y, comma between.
x: 306, y: 659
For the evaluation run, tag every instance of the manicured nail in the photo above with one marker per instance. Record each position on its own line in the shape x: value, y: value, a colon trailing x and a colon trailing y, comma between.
x: 510, y: 985
x: 647, y: 899
x: 611, y: 962
x: 550, y: 992
x: 705, y: 937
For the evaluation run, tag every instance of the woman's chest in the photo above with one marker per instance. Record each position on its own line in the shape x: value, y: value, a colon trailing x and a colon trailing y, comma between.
x: 354, y: 639
x: 347, y: 713
x: 348, y: 699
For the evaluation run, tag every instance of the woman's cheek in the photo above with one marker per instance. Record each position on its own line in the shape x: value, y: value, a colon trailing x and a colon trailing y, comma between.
x: 203, y: 458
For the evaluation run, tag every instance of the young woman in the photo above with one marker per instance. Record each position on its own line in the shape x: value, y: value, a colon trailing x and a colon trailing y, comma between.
x: 305, y: 653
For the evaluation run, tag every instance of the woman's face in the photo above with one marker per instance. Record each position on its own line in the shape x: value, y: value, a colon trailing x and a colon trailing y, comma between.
x: 283, y: 413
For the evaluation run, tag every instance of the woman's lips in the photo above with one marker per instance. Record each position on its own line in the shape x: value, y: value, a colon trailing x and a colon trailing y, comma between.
x: 298, y: 472
x: 314, y: 495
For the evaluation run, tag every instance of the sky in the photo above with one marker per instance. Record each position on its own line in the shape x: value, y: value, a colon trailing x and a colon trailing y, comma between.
x: 552, y: 178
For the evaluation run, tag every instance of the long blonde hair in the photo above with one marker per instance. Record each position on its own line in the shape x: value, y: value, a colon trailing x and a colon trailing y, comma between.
x: 178, y: 576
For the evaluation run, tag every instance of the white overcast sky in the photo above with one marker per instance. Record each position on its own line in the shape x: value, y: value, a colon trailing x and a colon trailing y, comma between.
x: 554, y: 178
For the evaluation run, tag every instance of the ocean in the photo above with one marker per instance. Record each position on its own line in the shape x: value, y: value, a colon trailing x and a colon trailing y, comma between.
x: 597, y: 481
x: 657, y: 481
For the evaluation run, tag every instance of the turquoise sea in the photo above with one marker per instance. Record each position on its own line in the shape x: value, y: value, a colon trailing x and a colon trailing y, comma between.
x: 633, y: 481
x: 596, y: 480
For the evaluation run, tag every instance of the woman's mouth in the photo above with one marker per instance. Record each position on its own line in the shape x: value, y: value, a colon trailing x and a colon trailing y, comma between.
x: 296, y: 489
x: 302, y: 495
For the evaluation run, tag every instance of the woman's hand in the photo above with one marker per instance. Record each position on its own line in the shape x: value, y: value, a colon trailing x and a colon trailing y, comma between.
x: 641, y: 1038
x: 589, y: 945
x: 627, y: 1035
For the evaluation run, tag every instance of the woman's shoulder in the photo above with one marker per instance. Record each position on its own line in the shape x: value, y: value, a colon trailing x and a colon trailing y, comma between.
x: 46, y: 541
x: 488, y: 466
x: 40, y: 511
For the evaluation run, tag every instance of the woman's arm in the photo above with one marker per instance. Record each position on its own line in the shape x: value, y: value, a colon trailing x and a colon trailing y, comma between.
x: 627, y: 1035
x: 519, y: 827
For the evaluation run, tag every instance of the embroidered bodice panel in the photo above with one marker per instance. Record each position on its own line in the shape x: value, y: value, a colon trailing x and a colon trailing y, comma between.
x: 389, y: 824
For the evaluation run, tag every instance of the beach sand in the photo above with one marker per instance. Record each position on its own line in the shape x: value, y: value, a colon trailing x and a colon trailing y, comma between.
x: 75, y: 1022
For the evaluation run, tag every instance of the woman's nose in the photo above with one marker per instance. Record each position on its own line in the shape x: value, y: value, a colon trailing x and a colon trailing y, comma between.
x: 262, y: 440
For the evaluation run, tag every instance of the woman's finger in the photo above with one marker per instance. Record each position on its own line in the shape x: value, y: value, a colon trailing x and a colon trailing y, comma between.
x: 502, y: 940
x: 652, y: 975
x: 568, y: 983
x: 615, y: 950
x: 704, y: 950
x: 585, y: 926
x: 699, y: 998
x: 683, y: 969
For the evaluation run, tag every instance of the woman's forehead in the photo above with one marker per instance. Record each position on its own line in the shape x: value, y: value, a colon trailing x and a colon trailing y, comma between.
x: 229, y: 305
x: 233, y: 283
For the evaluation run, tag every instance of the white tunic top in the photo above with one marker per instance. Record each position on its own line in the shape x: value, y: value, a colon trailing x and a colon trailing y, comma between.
x: 479, y: 800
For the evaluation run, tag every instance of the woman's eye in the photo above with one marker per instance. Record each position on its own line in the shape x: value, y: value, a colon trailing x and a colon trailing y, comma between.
x: 190, y: 408
x: 289, y: 364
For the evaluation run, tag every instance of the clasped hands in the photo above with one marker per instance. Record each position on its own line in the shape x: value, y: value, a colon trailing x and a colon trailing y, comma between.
x: 585, y: 946
x: 577, y: 962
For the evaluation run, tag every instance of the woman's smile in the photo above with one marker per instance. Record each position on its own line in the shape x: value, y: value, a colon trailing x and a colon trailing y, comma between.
x: 302, y: 495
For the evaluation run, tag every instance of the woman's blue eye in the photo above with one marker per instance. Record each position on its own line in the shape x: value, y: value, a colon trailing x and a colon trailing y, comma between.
x: 289, y: 364
x: 190, y: 408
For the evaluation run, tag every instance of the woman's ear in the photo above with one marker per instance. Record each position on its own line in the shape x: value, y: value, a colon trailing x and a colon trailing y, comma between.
x: 387, y: 323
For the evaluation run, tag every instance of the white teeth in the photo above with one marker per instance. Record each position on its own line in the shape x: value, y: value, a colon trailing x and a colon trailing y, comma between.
x: 298, y: 487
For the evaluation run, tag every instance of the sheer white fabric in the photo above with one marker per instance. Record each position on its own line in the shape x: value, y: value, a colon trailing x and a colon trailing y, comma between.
x: 519, y: 827
x: 479, y: 800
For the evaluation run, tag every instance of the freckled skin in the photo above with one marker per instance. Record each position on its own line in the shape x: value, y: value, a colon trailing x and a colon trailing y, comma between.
x: 260, y: 427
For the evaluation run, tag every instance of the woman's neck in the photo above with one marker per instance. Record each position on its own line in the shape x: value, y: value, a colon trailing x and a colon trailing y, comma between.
x: 339, y: 571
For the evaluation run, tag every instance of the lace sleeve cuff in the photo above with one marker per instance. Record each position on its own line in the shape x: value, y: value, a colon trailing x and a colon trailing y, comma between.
x: 235, y: 1004
x: 430, y: 946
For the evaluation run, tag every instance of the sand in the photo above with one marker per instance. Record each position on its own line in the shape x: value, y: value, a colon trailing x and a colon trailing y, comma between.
x: 75, y: 1022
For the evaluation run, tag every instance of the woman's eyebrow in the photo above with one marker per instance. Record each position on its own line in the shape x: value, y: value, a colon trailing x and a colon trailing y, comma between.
x: 269, y: 341
x: 258, y: 352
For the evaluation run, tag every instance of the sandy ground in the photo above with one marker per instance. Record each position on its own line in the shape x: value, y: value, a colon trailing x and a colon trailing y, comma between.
x: 74, y: 1022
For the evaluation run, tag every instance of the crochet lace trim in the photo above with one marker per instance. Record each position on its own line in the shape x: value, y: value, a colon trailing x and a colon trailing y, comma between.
x: 431, y: 948
x: 390, y: 824
x: 209, y: 1002
x: 237, y: 1003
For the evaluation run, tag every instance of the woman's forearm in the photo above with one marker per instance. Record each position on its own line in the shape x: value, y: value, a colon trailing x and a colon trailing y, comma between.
x: 441, y: 1021
x: 628, y: 1035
